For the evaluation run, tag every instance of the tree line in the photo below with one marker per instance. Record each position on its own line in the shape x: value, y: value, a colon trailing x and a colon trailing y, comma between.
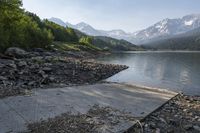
x: 23, y: 29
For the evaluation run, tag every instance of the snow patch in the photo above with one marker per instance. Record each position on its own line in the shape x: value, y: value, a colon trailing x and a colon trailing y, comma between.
x: 158, y: 26
x: 189, y: 23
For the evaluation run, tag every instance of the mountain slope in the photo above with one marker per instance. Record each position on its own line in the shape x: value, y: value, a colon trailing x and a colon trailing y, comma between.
x: 160, y: 30
x: 58, y: 21
x: 169, y: 27
x: 98, y: 38
x: 89, y: 30
x: 108, y: 43
x: 187, y: 41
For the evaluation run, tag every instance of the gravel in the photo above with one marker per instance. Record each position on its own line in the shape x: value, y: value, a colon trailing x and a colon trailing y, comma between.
x: 179, y: 115
x: 96, y: 120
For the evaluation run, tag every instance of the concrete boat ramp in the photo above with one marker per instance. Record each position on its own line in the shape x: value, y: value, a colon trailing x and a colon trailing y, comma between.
x: 18, y: 111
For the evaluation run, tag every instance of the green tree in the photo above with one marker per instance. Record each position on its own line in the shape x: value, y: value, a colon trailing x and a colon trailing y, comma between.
x: 86, y: 40
x: 21, y: 29
x: 10, y: 13
x: 73, y: 36
x: 61, y: 33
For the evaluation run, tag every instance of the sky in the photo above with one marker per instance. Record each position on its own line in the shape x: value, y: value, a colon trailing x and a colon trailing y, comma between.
x: 128, y: 15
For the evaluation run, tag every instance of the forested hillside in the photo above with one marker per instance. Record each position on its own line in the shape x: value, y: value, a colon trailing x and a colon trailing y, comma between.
x: 19, y: 28
x: 114, y: 44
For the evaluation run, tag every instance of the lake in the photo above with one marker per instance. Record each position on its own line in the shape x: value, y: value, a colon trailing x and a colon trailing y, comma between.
x: 177, y: 71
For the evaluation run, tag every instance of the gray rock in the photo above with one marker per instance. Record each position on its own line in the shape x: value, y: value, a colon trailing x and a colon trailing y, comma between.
x: 152, y: 125
x: 31, y: 83
x: 3, y: 78
x: 51, y: 79
x: 12, y: 65
x: 197, y: 128
x: 22, y: 63
x: 6, y: 62
x: 188, y: 127
x: 47, y: 69
x: 157, y: 130
x: 15, y: 52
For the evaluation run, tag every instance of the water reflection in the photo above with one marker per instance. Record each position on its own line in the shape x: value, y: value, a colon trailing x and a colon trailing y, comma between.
x: 174, y: 70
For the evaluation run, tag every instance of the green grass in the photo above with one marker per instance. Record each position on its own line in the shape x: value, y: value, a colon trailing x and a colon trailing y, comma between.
x: 65, y: 46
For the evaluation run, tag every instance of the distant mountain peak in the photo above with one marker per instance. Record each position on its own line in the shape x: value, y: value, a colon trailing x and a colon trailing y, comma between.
x: 165, y: 27
x: 82, y: 24
x: 168, y: 27
x: 58, y: 21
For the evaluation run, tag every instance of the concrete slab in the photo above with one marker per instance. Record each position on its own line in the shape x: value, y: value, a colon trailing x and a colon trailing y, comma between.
x: 10, y: 121
x: 48, y: 103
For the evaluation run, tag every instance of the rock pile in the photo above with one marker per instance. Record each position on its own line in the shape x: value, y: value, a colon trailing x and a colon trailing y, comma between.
x: 19, y: 76
x: 180, y: 115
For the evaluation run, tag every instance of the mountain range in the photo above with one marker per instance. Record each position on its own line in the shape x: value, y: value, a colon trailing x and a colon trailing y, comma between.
x: 160, y: 30
x: 185, y: 41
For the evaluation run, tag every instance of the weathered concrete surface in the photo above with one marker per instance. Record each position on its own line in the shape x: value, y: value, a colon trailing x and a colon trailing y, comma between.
x: 16, y: 112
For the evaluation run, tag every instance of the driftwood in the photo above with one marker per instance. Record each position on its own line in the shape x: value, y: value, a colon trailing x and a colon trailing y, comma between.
x: 5, y: 57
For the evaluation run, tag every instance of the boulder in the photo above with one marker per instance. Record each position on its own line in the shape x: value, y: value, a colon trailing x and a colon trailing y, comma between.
x: 15, y: 52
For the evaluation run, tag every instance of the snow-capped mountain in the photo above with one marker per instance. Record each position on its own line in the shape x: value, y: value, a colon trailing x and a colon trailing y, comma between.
x: 169, y: 27
x: 88, y: 29
x: 162, y: 29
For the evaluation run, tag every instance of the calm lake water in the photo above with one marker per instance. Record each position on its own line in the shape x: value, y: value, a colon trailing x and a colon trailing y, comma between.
x: 179, y: 71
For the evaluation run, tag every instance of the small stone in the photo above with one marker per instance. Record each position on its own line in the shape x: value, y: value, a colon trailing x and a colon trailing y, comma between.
x: 12, y: 65
x: 51, y: 79
x: 188, y: 127
x: 22, y: 63
x: 45, y: 76
x: 3, y: 78
x: 190, y: 114
x: 31, y: 83
x: 20, y: 73
x: 197, y: 128
x: 47, y: 69
x: 152, y: 125
x: 163, y: 120
x: 157, y: 130
x: 176, y: 116
x: 41, y: 72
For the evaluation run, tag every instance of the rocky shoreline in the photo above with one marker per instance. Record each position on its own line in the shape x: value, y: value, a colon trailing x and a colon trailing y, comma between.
x: 24, y: 71
x: 21, y: 72
x: 180, y: 115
